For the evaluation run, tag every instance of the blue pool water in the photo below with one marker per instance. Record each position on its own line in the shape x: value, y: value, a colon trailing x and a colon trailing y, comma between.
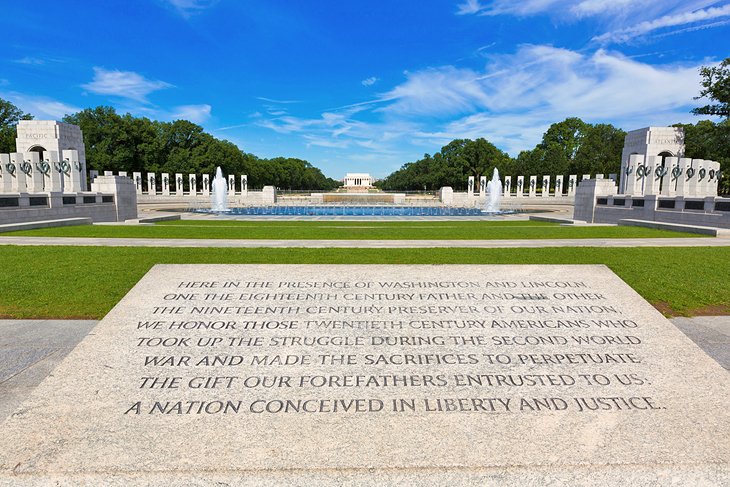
x: 356, y: 211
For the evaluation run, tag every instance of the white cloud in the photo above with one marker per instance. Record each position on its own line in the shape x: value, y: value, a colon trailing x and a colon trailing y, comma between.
x: 31, y: 61
x: 469, y: 7
x: 642, y: 16
x: 511, y: 102
x: 41, y: 107
x: 193, y: 113
x: 190, y: 7
x: 283, y: 102
x: 369, y: 81
x: 124, y: 84
x: 683, y: 18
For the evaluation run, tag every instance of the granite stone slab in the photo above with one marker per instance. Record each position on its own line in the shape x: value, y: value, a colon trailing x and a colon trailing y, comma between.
x: 369, y: 374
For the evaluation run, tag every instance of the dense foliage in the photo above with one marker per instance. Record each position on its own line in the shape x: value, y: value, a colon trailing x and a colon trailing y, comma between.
x: 10, y: 115
x: 715, y: 86
x: 127, y: 143
x: 449, y: 167
x: 568, y: 147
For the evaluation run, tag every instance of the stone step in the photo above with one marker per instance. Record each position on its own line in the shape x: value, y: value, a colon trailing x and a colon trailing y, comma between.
x: 62, y: 222
x: 676, y: 227
x: 159, y: 218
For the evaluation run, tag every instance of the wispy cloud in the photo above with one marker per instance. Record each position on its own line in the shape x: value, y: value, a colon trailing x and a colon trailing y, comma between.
x: 469, y: 7
x: 31, y: 61
x: 40, y: 107
x: 189, y: 7
x: 642, y: 16
x: 369, y: 81
x: 683, y: 18
x: 123, y: 84
x: 511, y: 102
x: 272, y: 100
x: 193, y: 113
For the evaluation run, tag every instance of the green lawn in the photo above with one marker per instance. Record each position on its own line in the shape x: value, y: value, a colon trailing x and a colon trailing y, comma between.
x: 86, y: 282
x: 348, y: 230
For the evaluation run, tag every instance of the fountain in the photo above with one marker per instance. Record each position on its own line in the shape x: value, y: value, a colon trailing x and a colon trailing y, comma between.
x: 219, y: 196
x: 494, y: 193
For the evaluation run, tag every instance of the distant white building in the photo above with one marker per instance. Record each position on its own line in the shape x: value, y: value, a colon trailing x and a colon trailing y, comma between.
x: 358, y: 180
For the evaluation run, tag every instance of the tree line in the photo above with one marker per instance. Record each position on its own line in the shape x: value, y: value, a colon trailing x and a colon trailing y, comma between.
x: 568, y: 147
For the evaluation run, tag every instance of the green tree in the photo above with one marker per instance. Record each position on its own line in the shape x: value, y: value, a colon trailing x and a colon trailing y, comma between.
x: 715, y: 86
x: 10, y: 115
x: 452, y: 166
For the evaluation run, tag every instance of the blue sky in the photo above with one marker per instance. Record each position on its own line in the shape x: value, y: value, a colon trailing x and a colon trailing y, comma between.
x: 364, y: 86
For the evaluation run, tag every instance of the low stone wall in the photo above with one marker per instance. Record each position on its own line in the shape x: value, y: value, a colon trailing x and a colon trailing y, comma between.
x: 16, y: 208
x: 113, y: 199
x: 599, y: 203
x: 709, y: 211
x: 265, y: 197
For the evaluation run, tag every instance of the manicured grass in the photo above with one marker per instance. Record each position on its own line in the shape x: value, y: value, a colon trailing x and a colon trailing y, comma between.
x: 336, y: 230
x: 86, y: 282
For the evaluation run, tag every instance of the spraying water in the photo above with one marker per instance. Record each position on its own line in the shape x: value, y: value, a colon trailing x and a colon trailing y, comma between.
x: 494, y: 193
x: 219, y: 196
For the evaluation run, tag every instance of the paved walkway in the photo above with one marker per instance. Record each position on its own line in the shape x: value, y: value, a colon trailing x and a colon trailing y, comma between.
x: 31, y: 349
x: 389, y: 244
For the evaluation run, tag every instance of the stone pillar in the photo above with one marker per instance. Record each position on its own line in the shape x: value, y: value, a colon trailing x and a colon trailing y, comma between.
x: 651, y: 183
x: 268, y: 195
x: 34, y: 178
x: 482, y: 186
x: 692, y: 177
x: 684, y: 164
x: 520, y: 186
x: 585, y: 176
x: 137, y: 179
x: 446, y: 195
x: 714, y: 178
x: 52, y: 181
x: 19, y: 183
x: 166, y: 184
x: 633, y: 176
x: 231, y: 185
x: 193, y: 184
x: 533, y: 186
x: 572, y: 184
x: 124, y: 192
x: 545, y: 186
x: 6, y: 174
x: 93, y: 174
x: 599, y: 176
x: 470, y: 186
x: 559, y: 185
x: 108, y: 173
x: 122, y: 174
x: 585, y: 197
x: 74, y: 179
x: 508, y: 186
x: 244, y: 184
x: 206, y: 185
x: 614, y: 177
x: 669, y: 180
x: 702, y: 176
x: 151, y: 184
x: 178, y: 184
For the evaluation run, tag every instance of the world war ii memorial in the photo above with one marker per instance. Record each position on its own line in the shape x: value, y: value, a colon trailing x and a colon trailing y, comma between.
x: 255, y: 273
